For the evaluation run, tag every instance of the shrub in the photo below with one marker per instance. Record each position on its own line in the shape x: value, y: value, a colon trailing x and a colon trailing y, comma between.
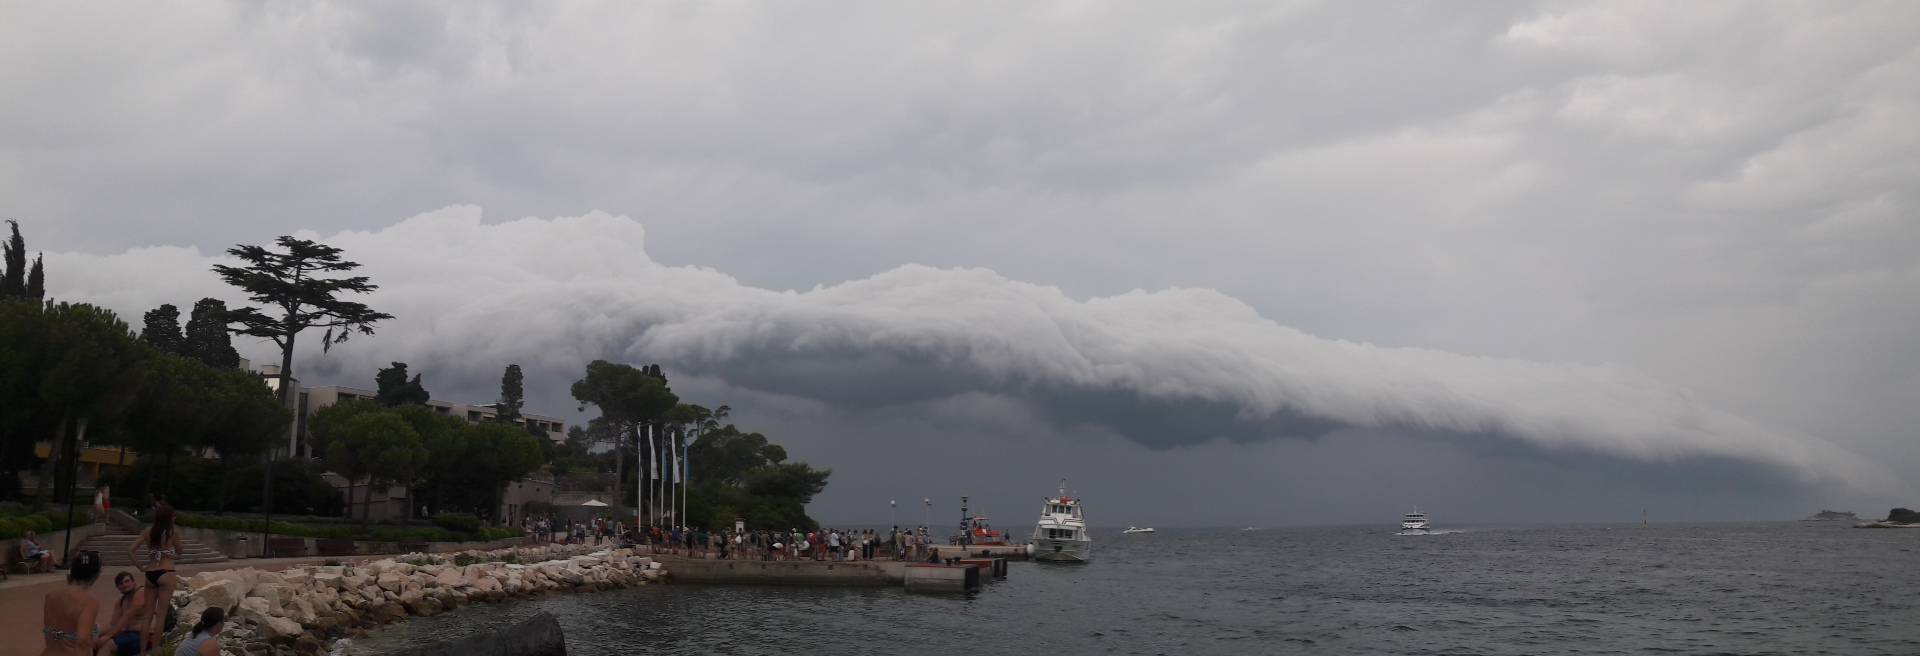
x: 463, y: 559
x: 39, y: 523
x: 10, y: 528
x: 457, y: 522
x: 10, y: 508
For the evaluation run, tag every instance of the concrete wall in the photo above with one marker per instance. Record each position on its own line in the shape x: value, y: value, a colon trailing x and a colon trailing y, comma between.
x: 513, y: 500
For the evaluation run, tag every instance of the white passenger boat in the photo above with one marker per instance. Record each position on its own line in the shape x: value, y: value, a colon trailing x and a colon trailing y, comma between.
x: 1414, y: 523
x: 1136, y: 529
x: 1061, y: 536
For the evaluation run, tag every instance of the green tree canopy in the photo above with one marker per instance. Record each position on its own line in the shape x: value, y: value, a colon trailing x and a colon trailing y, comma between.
x: 628, y: 398
x: 393, y: 389
x: 728, y: 455
x: 379, y: 447
x: 206, y: 338
x: 161, y: 329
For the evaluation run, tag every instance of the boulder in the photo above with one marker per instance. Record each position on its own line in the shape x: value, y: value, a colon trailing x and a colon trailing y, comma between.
x: 390, y: 581
x: 244, y: 578
x: 388, y: 612
x: 449, y: 578
x: 425, y: 607
x: 328, y: 580
x: 280, y: 627
x: 307, y: 645
x: 256, y: 609
x: 277, y: 594
x: 299, y: 610
x: 220, y: 593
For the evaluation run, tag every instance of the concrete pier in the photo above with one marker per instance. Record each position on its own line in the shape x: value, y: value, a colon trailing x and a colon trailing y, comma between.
x: 917, y: 577
x: 991, y: 569
x: 787, y: 572
x: 943, y: 578
x: 1007, y: 551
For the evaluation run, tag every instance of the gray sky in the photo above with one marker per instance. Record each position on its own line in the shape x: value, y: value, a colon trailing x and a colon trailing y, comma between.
x: 1215, y: 263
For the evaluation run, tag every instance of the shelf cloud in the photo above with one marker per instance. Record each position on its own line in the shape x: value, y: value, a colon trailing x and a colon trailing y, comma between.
x: 1167, y: 369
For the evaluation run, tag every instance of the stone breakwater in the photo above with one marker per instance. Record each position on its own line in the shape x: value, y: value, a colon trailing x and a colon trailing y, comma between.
x: 300, y: 609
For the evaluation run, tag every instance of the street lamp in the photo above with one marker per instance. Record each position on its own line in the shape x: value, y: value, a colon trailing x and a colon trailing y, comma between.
x: 926, y: 513
x: 893, y: 506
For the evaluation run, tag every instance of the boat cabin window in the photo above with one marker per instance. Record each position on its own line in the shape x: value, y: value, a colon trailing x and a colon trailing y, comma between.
x: 1060, y: 533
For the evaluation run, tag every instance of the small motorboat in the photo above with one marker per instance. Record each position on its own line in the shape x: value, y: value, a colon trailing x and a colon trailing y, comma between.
x: 1136, y: 529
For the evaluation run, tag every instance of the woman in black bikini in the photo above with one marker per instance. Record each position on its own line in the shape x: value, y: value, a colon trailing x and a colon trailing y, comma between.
x: 162, y: 545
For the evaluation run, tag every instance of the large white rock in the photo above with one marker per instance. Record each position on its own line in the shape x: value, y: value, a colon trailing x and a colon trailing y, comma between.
x: 566, y: 575
x: 256, y: 609
x: 275, y: 627
x: 300, y: 610
x: 220, y: 593
x: 391, y: 581
x: 243, y: 579
x: 326, y: 580
x: 276, y: 594
x: 449, y: 578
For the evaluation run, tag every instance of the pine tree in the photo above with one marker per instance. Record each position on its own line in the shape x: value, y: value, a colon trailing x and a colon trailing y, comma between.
x: 207, y: 339
x: 161, y: 329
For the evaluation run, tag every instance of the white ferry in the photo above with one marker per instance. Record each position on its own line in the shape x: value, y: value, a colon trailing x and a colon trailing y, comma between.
x: 1061, y: 535
x: 1414, y: 523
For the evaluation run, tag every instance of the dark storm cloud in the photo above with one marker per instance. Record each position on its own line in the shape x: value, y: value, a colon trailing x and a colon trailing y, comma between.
x: 1165, y: 369
x: 1713, y: 200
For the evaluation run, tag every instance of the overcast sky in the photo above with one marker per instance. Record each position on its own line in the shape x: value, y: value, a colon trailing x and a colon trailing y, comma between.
x: 1217, y: 264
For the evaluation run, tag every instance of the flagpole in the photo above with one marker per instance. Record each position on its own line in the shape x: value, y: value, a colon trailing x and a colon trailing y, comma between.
x: 640, y: 482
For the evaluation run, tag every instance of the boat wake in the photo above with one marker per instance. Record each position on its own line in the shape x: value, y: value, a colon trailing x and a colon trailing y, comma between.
x: 1426, y: 532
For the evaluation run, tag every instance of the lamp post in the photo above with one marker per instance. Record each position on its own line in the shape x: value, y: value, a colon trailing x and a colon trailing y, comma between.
x: 892, y: 507
x: 926, y: 513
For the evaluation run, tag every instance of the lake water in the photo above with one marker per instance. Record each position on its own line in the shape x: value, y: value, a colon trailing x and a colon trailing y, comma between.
x: 1772, y: 588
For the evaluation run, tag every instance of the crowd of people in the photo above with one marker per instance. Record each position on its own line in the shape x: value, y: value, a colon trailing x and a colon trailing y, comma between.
x: 70, y: 623
x: 826, y: 544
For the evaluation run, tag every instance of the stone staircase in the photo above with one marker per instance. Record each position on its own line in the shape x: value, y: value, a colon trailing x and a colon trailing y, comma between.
x: 113, y: 549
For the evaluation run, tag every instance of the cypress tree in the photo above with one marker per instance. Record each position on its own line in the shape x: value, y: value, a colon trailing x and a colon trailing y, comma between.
x: 512, y: 393
x: 36, y: 281
x: 207, y: 339
x: 161, y: 329
x: 13, y: 277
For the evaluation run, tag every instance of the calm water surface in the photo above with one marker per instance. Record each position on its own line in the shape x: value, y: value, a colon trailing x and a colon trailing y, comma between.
x: 1774, y: 588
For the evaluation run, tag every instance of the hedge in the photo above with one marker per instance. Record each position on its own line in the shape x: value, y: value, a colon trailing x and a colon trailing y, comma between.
x: 338, y: 531
x: 16, y: 524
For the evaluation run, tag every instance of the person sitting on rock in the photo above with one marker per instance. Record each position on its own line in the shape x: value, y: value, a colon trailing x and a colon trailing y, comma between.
x: 128, y: 612
x: 204, y: 639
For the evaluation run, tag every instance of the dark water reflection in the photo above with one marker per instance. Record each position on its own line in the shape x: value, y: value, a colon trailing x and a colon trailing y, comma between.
x: 1777, y: 588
